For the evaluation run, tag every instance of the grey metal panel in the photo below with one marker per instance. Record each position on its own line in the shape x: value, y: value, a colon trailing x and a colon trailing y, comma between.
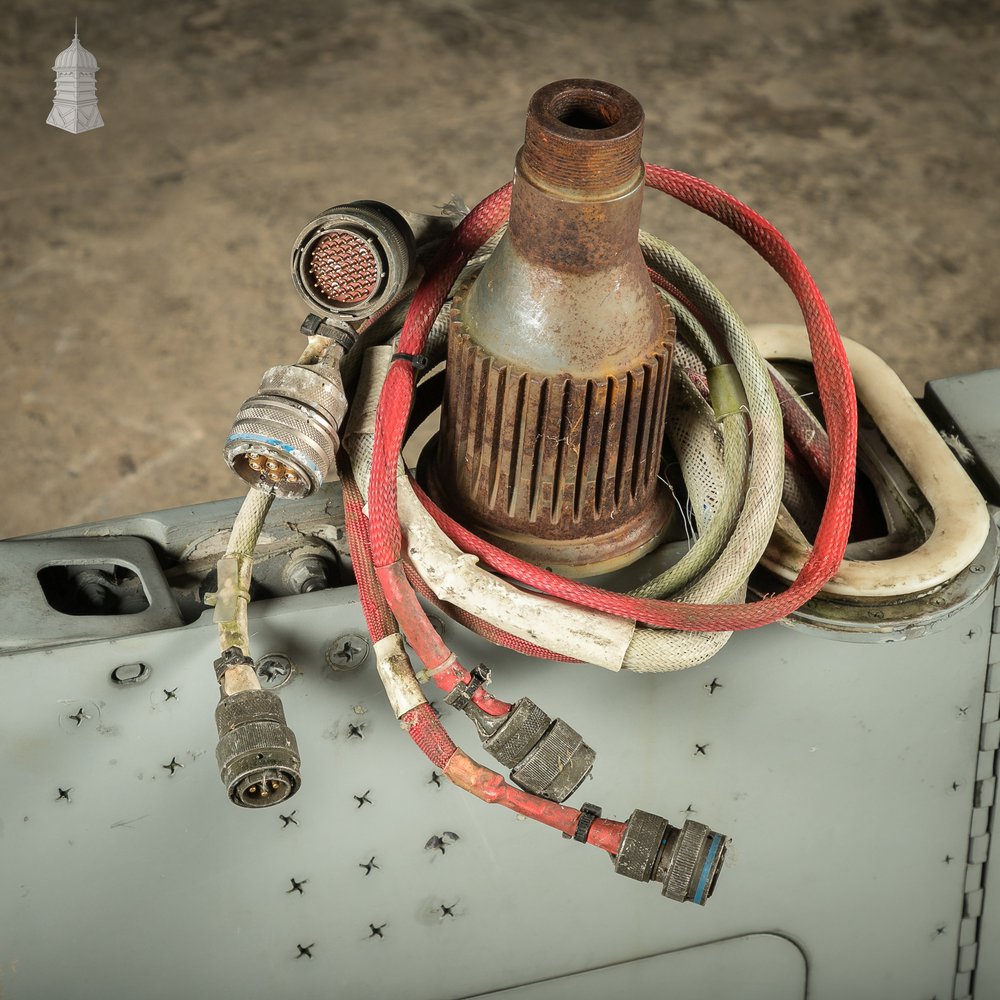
x: 755, y: 967
x: 969, y: 406
x: 29, y: 620
x: 844, y: 772
x: 984, y: 903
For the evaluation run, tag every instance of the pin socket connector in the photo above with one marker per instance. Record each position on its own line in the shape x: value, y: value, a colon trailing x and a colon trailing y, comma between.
x: 353, y: 259
x: 546, y: 756
x: 686, y: 860
x: 285, y: 437
x: 257, y: 753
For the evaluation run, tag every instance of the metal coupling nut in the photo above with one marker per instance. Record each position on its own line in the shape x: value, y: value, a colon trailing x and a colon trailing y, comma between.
x: 257, y: 753
x: 686, y: 860
x: 546, y: 756
x: 285, y: 437
x: 352, y: 260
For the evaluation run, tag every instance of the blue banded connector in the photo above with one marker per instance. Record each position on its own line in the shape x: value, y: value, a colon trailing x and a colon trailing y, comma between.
x: 685, y: 860
x: 285, y: 437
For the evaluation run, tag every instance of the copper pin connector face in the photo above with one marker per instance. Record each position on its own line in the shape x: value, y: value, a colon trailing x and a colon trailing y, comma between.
x: 271, y: 470
x: 344, y: 268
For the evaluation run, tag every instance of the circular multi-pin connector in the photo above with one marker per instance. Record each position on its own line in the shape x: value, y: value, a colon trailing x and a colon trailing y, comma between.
x: 285, y: 437
x: 686, y: 860
x: 353, y: 259
x: 257, y: 753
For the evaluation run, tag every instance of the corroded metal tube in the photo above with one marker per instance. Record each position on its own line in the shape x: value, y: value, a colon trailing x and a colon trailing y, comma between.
x: 559, y: 352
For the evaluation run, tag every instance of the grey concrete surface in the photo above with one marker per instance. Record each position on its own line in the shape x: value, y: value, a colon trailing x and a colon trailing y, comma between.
x: 143, y: 275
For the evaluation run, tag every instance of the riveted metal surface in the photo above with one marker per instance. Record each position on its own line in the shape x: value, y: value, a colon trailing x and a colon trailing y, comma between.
x: 802, y: 734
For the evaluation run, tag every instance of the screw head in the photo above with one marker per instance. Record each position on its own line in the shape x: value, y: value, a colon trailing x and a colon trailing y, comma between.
x: 347, y: 651
x: 274, y: 670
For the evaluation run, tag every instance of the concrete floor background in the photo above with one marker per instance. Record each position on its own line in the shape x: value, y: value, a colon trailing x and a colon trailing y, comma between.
x: 144, y: 281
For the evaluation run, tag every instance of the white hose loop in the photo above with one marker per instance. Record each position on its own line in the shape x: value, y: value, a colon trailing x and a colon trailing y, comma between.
x: 961, y: 518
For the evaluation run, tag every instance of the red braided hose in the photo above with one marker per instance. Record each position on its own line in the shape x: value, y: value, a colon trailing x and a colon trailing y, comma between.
x: 422, y: 723
x: 833, y: 378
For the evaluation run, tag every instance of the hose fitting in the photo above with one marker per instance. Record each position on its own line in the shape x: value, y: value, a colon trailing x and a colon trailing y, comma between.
x: 686, y: 860
x: 257, y: 753
x: 547, y: 757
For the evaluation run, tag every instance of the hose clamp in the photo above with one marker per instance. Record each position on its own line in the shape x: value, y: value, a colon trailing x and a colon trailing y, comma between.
x: 461, y: 695
x: 588, y: 813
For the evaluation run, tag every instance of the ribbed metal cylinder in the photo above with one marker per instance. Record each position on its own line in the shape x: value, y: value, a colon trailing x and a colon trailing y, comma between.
x: 562, y: 469
x: 559, y: 352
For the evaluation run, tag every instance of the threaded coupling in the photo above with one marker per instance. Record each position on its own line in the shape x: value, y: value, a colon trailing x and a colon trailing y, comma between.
x: 285, y: 437
x: 686, y: 860
x: 257, y: 754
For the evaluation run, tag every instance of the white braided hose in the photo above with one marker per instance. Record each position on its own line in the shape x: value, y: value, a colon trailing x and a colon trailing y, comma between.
x: 232, y: 595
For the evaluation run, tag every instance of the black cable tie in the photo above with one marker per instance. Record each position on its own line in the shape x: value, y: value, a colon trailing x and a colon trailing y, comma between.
x: 311, y: 324
x: 588, y: 813
x: 419, y: 361
x: 345, y: 338
x: 233, y: 656
x: 461, y: 695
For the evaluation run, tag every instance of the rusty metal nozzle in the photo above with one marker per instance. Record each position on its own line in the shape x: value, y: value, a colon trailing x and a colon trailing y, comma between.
x: 559, y: 352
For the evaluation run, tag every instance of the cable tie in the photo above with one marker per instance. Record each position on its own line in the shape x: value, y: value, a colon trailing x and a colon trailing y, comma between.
x: 231, y: 657
x: 440, y: 668
x: 588, y: 813
x: 419, y: 361
x: 461, y: 695
x: 311, y: 324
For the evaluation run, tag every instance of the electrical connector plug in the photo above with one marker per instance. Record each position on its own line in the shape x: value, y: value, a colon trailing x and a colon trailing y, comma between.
x: 353, y: 260
x: 285, y: 437
x: 258, y: 757
x: 546, y: 756
x: 686, y: 860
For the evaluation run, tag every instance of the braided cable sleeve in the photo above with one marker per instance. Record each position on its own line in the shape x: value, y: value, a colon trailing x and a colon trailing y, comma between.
x: 378, y: 616
x: 804, y: 429
x: 423, y: 726
x: 836, y: 388
x: 691, y: 429
x: 249, y: 523
x: 234, y: 572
